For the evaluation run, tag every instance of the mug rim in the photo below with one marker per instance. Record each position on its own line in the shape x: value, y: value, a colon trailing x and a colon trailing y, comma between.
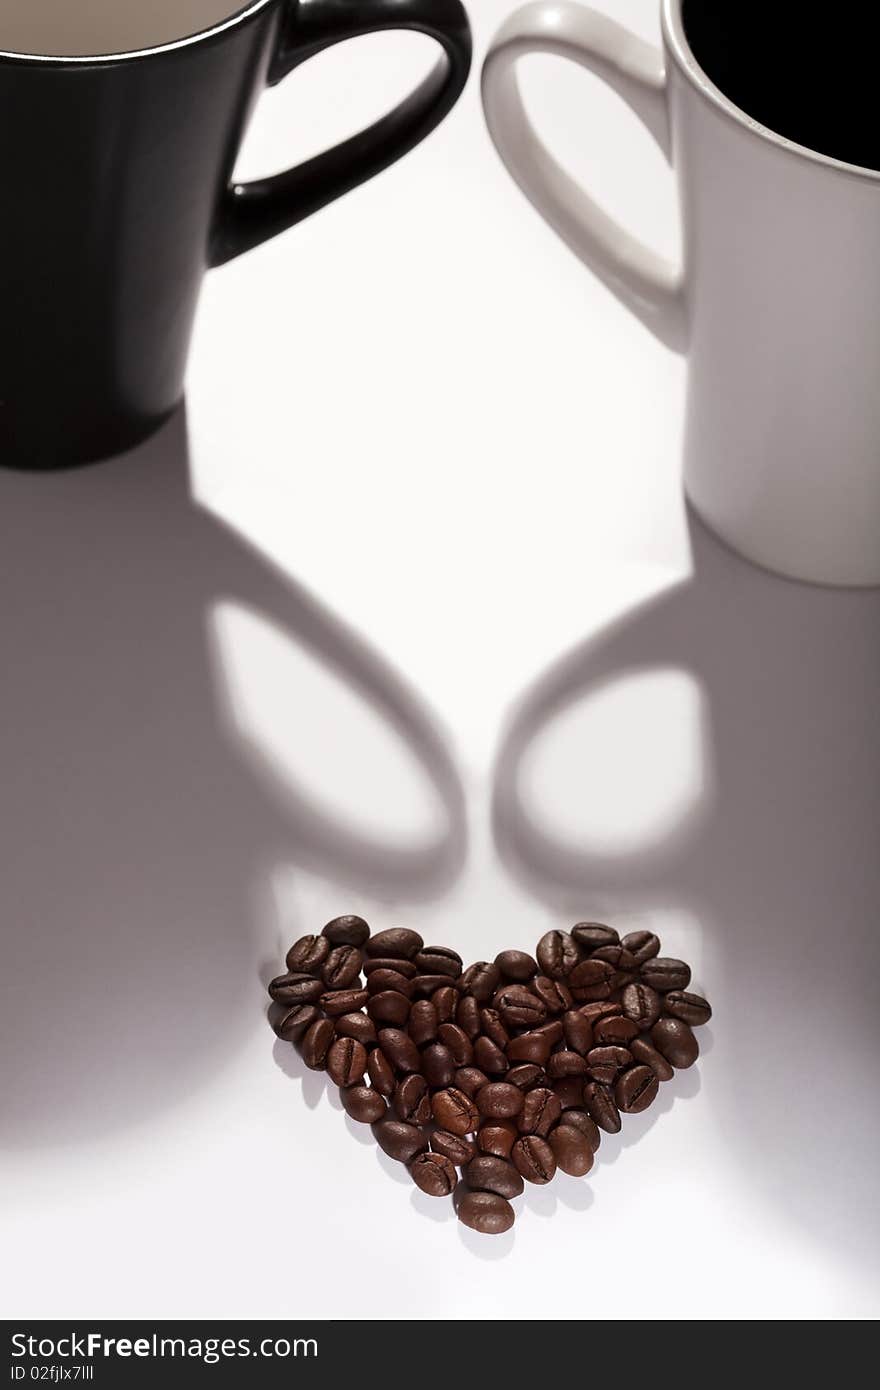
x: 91, y: 60
x: 679, y: 48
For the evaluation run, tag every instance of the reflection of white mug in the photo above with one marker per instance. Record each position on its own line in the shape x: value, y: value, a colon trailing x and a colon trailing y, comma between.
x: 778, y: 304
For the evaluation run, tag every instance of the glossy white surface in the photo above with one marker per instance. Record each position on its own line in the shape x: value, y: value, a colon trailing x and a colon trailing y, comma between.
x: 496, y: 483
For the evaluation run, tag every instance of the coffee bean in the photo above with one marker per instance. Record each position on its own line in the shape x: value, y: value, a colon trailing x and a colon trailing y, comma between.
x: 552, y: 1031
x: 516, y: 965
x: 467, y: 1015
x: 437, y: 1065
x: 643, y: 1051
x: 399, y: 1140
x: 470, y: 1080
x: 426, y: 986
x: 434, y: 1174
x: 692, y: 1009
x: 455, y: 1111
x: 577, y: 1031
x: 641, y: 1004
x: 579, y: 1119
x: 343, y: 1001
x: 381, y: 1072
x: 342, y: 967
x: 622, y: 963
x: 356, y: 1026
x: 307, y: 955
x: 519, y: 1008
x: 534, y: 1159
x: 636, y: 1089
x: 526, y: 1076
x: 400, y: 1049
x: 642, y: 945
x: 295, y: 988
x: 486, y: 1173
x: 485, y: 1212
x: 402, y: 967
x: 389, y: 1007
x: 564, y: 1063
x: 439, y: 960
x: 292, y: 1023
x: 529, y: 1047
x: 663, y: 973
x: 453, y: 1146
x: 380, y: 980
x: 347, y: 931
x: 493, y: 1028
x: 552, y: 994
x: 422, y: 1026
x: 458, y: 1042
x: 497, y: 1138
x: 602, y: 1008
x: 499, y: 1101
x: 557, y: 954
x: 346, y: 1062
x: 571, y: 1150
x: 481, y: 980
x: 604, y: 1063
x: 601, y: 1107
x: 364, y: 1104
x: 615, y: 1031
x: 591, y: 980
x: 397, y: 942
x: 411, y: 1101
x: 674, y: 1040
x: 541, y: 1110
x: 445, y: 1001
x: 489, y: 1057
x: 569, y: 1090
x: 593, y: 935
x: 316, y: 1043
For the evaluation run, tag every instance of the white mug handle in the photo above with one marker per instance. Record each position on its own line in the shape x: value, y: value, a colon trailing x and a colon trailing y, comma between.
x: 644, y: 281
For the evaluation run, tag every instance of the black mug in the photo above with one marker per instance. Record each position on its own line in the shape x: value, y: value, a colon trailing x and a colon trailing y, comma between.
x: 117, y: 197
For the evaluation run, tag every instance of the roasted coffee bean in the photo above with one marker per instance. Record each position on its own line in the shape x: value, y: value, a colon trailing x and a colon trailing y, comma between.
x: 526, y: 1076
x: 641, y: 1003
x: 470, y: 1080
x: 622, y: 963
x: 486, y: 1173
x: 342, y: 967
x: 499, y: 1101
x: 541, y: 1110
x: 437, y: 1065
x: 664, y: 974
x: 557, y: 954
x: 577, y: 1032
x: 636, y: 1089
x: 643, y: 1051
x: 433, y: 1174
x: 422, y: 1026
x: 295, y: 988
x: 400, y: 1049
x: 347, y: 1062
x: 467, y: 1015
x: 402, y: 967
x: 552, y: 1031
x: 564, y: 1063
x: 489, y: 1057
x: 601, y: 1107
x: 516, y: 965
x: 343, y: 1001
x: 381, y: 1072
x: 458, y: 1042
x: 356, y: 1026
x: 594, y: 935
x: 492, y: 1027
x: 529, y: 1047
x: 481, y: 980
x: 398, y: 942
x: 642, y: 945
x: 316, y: 1043
x: 363, y: 1103
x: 347, y: 931
x: 674, y: 1040
x: 380, y: 980
x: 389, y: 1007
x: 445, y: 1001
x: 439, y: 960
x: 485, y: 1212
x: 570, y: 1091
x: 307, y: 955
x: 292, y: 1023
x: 579, y: 1119
x: 552, y: 994
x: 534, y: 1159
x: 591, y: 980
x: 411, y: 1100
x: 519, y: 1008
x: 604, y: 1063
x: 571, y: 1150
x: 453, y: 1146
x: 455, y: 1111
x: 498, y: 1138
x: 426, y: 986
x: 399, y: 1140
x: 602, y: 1008
x: 692, y: 1009
x: 615, y: 1031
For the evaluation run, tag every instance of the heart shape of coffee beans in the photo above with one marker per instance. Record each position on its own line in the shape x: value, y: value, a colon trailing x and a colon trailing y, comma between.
x: 505, y: 1072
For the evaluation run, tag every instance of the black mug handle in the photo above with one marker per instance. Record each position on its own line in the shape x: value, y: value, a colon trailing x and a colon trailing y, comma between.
x: 251, y: 213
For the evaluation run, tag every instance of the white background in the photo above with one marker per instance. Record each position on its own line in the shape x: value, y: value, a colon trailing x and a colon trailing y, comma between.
x: 418, y: 419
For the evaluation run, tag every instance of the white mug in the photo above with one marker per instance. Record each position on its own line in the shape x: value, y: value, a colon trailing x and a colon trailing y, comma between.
x: 777, y: 303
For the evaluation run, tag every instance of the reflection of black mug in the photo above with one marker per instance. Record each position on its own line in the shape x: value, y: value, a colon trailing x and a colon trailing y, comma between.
x: 118, y: 196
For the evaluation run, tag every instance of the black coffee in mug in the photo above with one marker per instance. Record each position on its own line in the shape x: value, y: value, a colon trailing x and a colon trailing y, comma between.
x: 120, y: 123
x: 808, y: 73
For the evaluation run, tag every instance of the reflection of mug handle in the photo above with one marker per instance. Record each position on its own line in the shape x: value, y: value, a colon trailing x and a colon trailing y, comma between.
x: 645, y: 282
